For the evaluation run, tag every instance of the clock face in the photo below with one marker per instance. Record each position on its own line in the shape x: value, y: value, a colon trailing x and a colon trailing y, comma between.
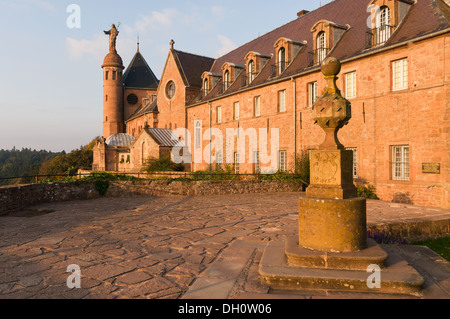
x: 170, y: 89
x: 132, y: 99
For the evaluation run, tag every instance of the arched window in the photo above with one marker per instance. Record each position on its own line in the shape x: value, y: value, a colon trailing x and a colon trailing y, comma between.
x: 321, y: 47
x: 281, y: 60
x: 251, y: 71
x: 384, y: 25
x: 205, y: 87
x: 226, y: 80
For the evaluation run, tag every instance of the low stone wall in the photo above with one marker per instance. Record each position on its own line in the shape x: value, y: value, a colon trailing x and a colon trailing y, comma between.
x: 14, y: 198
x: 198, y: 188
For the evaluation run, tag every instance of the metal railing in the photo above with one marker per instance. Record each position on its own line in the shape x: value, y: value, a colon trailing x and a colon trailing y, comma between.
x: 224, y: 86
x: 316, y: 57
x: 378, y: 36
x: 279, y: 68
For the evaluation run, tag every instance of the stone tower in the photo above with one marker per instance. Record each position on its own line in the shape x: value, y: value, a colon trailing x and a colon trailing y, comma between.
x: 113, y: 120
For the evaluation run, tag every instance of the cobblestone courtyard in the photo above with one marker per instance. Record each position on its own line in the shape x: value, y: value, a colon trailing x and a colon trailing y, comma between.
x: 154, y: 247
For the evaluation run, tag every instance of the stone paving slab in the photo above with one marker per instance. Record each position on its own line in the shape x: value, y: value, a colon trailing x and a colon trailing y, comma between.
x: 155, y: 247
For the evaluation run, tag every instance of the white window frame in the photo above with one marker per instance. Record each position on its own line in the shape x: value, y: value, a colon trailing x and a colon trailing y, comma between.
x: 206, y: 87
x: 350, y: 85
x: 219, y: 114
x: 282, y: 161
x: 400, y: 74
x: 281, y: 60
x: 282, y: 101
x: 400, y: 163
x: 257, y: 106
x: 226, y: 80
x: 251, y: 71
x: 236, y: 111
x: 312, y: 93
x: 321, y: 46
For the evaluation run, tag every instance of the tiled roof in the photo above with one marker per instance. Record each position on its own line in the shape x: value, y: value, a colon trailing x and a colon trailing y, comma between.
x: 425, y: 17
x: 120, y: 139
x: 145, y: 109
x: 139, y: 74
x: 193, y: 66
x: 164, y: 137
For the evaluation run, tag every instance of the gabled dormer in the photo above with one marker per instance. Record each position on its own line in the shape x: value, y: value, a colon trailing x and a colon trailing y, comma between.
x: 230, y: 72
x: 285, y: 51
x: 385, y: 16
x: 209, y: 81
x: 255, y: 62
x: 326, y: 35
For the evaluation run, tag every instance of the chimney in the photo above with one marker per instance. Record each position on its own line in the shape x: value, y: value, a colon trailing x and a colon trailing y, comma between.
x: 302, y: 13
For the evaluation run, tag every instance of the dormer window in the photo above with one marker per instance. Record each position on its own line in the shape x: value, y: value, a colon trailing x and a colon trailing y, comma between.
x: 230, y: 73
x: 286, y: 50
x: 326, y: 35
x: 209, y: 82
x: 385, y: 17
x: 255, y: 63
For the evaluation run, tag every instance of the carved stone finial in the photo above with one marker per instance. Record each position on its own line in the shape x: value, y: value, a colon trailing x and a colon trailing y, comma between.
x: 171, y: 44
x: 331, y: 111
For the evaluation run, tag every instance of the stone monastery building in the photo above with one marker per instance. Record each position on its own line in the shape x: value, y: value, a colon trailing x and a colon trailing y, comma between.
x: 395, y: 57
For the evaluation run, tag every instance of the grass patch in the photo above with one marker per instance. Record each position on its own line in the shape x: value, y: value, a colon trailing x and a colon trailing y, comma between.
x: 441, y: 246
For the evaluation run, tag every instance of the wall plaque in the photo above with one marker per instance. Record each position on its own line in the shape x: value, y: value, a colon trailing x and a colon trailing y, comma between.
x: 431, y: 168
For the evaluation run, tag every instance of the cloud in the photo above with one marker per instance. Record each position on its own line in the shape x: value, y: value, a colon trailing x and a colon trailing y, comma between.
x: 42, y: 4
x: 96, y: 47
x: 157, y: 20
x: 218, y: 11
x: 227, y: 45
x: 28, y: 4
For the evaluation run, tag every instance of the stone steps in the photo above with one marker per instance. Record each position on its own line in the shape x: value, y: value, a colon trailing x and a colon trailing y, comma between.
x: 397, y: 276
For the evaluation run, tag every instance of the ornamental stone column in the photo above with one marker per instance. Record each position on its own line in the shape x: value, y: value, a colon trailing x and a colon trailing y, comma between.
x: 331, y: 217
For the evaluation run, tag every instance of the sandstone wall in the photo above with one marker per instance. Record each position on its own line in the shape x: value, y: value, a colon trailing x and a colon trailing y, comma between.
x: 14, y: 198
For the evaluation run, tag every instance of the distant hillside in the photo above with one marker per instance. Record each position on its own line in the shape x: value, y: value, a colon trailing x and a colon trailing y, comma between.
x: 71, y: 162
x: 16, y: 163
x: 27, y: 162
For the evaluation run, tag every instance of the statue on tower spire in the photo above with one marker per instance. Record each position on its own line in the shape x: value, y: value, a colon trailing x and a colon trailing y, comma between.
x: 113, y: 33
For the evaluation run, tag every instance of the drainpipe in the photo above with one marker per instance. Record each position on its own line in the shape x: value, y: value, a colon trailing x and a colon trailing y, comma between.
x: 294, y: 83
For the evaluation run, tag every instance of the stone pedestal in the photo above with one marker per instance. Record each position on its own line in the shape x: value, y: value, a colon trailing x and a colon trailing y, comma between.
x: 332, y: 225
x: 331, y: 174
x: 332, y: 251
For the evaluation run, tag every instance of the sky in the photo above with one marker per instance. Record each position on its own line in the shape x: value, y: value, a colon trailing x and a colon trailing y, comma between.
x: 51, y: 78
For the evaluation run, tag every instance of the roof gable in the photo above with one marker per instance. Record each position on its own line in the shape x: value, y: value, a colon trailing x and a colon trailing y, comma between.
x: 192, y: 67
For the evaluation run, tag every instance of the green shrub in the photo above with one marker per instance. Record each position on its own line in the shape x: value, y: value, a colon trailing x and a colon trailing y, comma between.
x: 101, y: 186
x: 302, y: 167
x: 368, y: 192
x: 164, y: 164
